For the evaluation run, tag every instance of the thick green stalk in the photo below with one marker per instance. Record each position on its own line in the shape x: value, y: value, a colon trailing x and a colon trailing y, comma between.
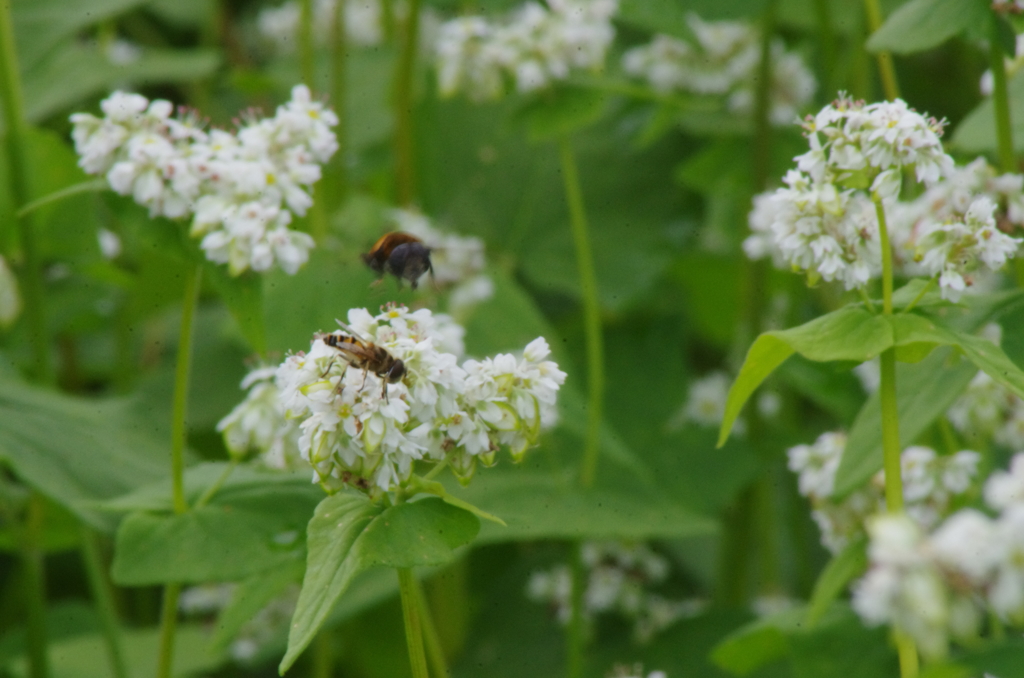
x: 307, y: 50
x: 1001, y: 100
x: 576, y: 637
x: 827, y: 45
x: 179, y: 436
x: 405, y: 159
x: 413, y: 623
x: 179, y: 409
x: 104, y: 600
x: 886, y: 69
x: 17, y: 162
x: 435, y: 653
x: 168, y: 627
x: 339, y: 99
x: 591, y: 310
x: 32, y: 559
x: 909, y: 664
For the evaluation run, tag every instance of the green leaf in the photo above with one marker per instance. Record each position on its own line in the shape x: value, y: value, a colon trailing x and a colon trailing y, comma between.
x: 76, y: 450
x: 851, y: 333
x: 538, y: 505
x: 348, y: 535
x: 757, y: 644
x: 245, y: 529
x: 924, y: 391
x: 243, y: 295
x: 435, y: 488
x: 976, y: 133
x: 41, y: 25
x: 1005, y: 659
x: 561, y: 111
x: 249, y: 597
x: 846, y: 566
x: 656, y: 16
x: 77, y: 71
x: 923, y: 24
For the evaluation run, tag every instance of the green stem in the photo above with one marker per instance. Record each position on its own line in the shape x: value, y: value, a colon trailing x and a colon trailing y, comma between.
x: 323, y: 652
x: 17, y: 162
x: 91, y: 186
x: 591, y: 310
x: 168, y: 626
x: 339, y: 99
x: 212, y: 490
x: 307, y: 62
x: 866, y: 299
x: 179, y: 432
x: 1001, y: 100
x: 35, y: 588
x: 890, y: 412
x: 435, y: 652
x: 886, y: 69
x: 909, y: 666
x: 826, y: 43
x: 577, y: 633
x: 103, y: 599
x: 920, y: 295
x: 405, y: 174
x: 413, y: 623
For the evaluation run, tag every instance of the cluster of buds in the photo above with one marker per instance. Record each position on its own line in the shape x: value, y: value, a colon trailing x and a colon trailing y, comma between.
x: 364, y: 424
x: 931, y: 486
x: 723, y: 60
x: 533, y: 47
x: 940, y: 584
x: 241, y: 188
x: 619, y: 578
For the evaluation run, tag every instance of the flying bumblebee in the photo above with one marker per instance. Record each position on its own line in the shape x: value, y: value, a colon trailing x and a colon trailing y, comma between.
x: 400, y: 254
x: 366, y: 355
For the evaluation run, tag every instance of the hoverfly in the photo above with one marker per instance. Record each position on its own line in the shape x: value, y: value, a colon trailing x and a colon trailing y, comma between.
x: 364, y: 354
x: 400, y: 254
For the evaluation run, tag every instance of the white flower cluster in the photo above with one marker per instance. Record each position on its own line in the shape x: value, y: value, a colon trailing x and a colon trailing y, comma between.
x: 723, y: 60
x: 940, y: 584
x: 363, y: 24
x: 931, y: 483
x: 258, y: 424
x: 458, y: 261
x: 358, y: 430
x: 533, y: 46
x: 241, y: 188
x: 619, y: 575
x: 823, y: 222
x: 987, y: 410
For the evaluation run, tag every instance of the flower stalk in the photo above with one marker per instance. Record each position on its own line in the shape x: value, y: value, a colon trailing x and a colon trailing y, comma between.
x: 307, y: 62
x: 17, y: 160
x: 104, y: 601
x: 591, y: 310
x: 405, y: 173
x: 413, y: 622
x: 1001, y: 100
x: 886, y: 68
x: 34, y: 588
x: 339, y: 79
x: 431, y: 638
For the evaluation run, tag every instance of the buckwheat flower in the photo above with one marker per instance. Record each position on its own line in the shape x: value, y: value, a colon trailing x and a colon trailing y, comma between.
x: 258, y: 424
x: 1004, y: 489
x: 816, y: 464
x: 121, y: 52
x: 363, y: 23
x: 966, y: 543
x: 531, y: 47
x: 903, y: 586
x: 1006, y: 593
x: 10, y: 299
x: 705, y: 403
x: 869, y: 374
x: 983, y: 408
x: 205, y: 599
x: 359, y: 430
x: 241, y: 189
x: 954, y: 250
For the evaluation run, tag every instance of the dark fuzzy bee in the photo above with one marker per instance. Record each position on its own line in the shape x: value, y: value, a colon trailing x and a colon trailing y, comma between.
x: 368, y: 356
x: 400, y: 254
